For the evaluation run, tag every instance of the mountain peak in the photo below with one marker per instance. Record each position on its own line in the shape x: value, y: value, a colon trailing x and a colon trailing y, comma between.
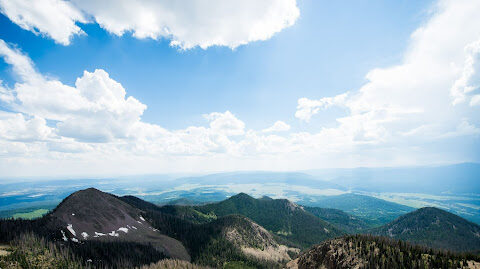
x: 242, y: 196
x: 434, y: 227
x: 91, y: 214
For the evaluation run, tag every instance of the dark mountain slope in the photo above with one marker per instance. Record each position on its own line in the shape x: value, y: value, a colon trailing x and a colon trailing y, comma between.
x: 280, y: 216
x: 362, y: 251
x: 376, y: 211
x: 435, y: 228
x: 349, y: 223
x: 94, y: 215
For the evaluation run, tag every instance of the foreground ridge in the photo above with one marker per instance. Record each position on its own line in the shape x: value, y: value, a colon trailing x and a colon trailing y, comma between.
x: 366, y: 251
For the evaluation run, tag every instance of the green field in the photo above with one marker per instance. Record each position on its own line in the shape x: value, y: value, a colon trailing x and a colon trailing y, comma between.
x: 31, y: 214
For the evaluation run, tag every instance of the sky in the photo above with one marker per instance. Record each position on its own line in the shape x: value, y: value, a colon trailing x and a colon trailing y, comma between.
x: 97, y: 88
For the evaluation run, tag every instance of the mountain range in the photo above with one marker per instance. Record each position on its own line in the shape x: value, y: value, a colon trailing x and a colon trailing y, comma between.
x: 97, y: 229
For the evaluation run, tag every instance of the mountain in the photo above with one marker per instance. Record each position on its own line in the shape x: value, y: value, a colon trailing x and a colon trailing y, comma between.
x: 344, y: 221
x: 435, y: 228
x: 283, y: 218
x: 376, y: 211
x: 362, y: 251
x: 94, y: 215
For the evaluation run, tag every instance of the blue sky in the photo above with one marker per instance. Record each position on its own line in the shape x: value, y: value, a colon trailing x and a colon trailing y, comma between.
x: 325, y: 51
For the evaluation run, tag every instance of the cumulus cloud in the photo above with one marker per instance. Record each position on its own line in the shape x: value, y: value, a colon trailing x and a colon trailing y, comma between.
x: 278, y: 126
x: 187, y: 23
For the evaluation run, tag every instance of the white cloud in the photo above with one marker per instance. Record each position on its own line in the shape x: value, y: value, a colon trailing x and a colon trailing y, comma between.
x: 187, y: 24
x: 14, y: 126
x: 54, y: 18
x: 6, y: 96
x: 468, y: 84
x: 225, y: 123
x: 306, y: 108
x: 278, y: 126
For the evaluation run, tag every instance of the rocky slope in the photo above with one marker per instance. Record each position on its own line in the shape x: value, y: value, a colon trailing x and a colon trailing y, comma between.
x: 255, y: 241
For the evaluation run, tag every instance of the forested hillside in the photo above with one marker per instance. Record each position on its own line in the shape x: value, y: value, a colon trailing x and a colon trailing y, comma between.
x: 363, y: 251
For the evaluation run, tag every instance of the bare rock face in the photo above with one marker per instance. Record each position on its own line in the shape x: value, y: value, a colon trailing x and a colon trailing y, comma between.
x: 91, y: 214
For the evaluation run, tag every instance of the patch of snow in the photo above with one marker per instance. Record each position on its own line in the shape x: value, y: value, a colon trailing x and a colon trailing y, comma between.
x: 64, y: 237
x: 70, y: 228
x: 89, y: 260
x: 134, y: 227
x: 97, y: 234
x: 73, y: 214
x: 326, y: 230
x: 75, y: 240
x: 85, y: 235
x: 139, y: 222
x: 141, y: 218
x: 113, y: 233
x: 123, y: 229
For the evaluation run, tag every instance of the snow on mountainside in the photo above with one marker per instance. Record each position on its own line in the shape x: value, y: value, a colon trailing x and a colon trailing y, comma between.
x: 94, y: 215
